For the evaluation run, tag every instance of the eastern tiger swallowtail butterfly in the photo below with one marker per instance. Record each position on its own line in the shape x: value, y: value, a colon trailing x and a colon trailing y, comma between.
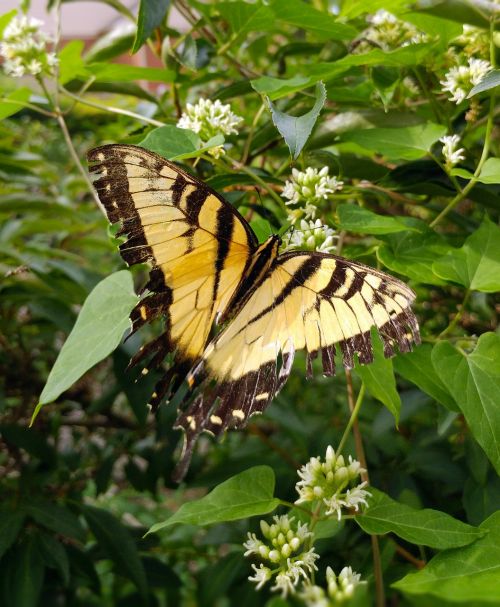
x: 208, y: 269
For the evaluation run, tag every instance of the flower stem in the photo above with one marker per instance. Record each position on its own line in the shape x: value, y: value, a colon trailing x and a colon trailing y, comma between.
x: 457, y: 316
x: 360, y: 456
x: 352, y: 419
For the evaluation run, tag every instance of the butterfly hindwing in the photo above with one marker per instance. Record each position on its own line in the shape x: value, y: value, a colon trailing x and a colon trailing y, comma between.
x: 197, y: 244
x: 308, y: 301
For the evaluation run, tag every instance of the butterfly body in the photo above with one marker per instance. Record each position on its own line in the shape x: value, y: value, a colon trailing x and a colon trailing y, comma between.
x: 208, y: 269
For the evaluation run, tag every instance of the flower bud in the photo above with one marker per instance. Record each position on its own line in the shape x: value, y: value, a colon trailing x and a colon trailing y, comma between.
x: 274, y: 556
x: 286, y: 550
x: 265, y: 528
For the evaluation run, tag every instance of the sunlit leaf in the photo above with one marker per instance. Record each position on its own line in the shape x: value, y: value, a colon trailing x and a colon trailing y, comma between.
x: 127, y: 73
x: 407, y: 143
x: 476, y: 265
x: 362, y: 221
x: 296, y: 129
x: 8, y: 105
x: 247, y: 494
x: 71, y: 63
x: 489, y: 81
x: 379, y: 379
x: 422, y: 527
x: 412, y: 253
x: 99, y: 328
x: 170, y: 141
x: 151, y: 16
x: 490, y: 171
x: 462, y: 575
x: 318, y: 23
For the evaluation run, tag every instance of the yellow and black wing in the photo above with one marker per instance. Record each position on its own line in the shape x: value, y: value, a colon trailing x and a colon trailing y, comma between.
x: 308, y: 301
x: 197, y: 244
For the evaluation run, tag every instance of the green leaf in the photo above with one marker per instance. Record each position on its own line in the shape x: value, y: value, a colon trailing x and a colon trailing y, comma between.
x: 26, y: 573
x: 98, y: 330
x: 417, y: 367
x: 474, y: 381
x: 296, y: 129
x: 279, y: 87
x: 5, y: 19
x: 105, y: 72
x: 442, y: 29
x: 407, y: 143
x: 413, y: 253
x: 320, y: 24
x: 490, y: 172
x: 379, y: 379
x: 476, y: 265
x: 423, y: 527
x: 112, y: 44
x: 55, y: 517
x: 11, y: 522
x: 462, y: 575
x: 8, y: 105
x: 151, y: 16
x: 117, y: 543
x: 243, y: 17
x: 34, y: 443
x: 71, y: 64
x: 170, y: 141
x: 489, y: 81
x: 275, y: 88
x: 54, y: 555
x: 247, y: 494
x: 211, y: 143
x: 362, y: 221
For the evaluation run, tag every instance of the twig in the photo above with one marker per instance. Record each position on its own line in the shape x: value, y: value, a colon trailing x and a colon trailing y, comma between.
x: 109, y: 108
x: 67, y: 138
x: 419, y: 563
x: 360, y: 455
x: 457, y: 316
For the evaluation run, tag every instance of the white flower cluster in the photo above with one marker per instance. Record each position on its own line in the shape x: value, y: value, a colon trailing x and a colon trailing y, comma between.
x: 209, y: 118
x: 460, y: 80
x: 389, y: 33
x: 284, y: 553
x: 331, y: 482
x: 308, y: 188
x: 311, y: 235
x: 24, y: 49
x: 451, y: 154
x: 339, y: 589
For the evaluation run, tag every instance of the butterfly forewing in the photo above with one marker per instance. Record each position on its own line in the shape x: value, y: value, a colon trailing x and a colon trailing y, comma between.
x: 197, y: 244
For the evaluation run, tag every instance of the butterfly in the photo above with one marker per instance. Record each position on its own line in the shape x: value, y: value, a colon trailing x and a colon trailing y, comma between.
x: 209, y: 271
